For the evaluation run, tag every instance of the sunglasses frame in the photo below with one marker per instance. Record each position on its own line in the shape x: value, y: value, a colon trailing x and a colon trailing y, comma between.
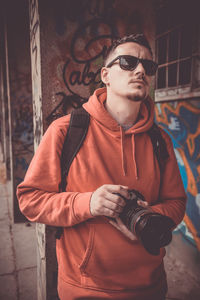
x: 139, y: 60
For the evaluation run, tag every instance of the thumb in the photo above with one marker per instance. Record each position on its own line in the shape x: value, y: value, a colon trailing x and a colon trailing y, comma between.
x: 143, y: 203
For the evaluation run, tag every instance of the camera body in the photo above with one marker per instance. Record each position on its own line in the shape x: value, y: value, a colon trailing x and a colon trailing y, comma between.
x: 152, y: 229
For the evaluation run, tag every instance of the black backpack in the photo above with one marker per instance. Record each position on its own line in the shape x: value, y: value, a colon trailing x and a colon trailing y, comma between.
x: 77, y: 131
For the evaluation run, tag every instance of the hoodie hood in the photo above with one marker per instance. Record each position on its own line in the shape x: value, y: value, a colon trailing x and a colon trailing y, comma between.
x: 95, y: 107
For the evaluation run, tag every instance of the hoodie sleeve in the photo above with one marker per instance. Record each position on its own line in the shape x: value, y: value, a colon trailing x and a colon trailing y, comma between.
x: 39, y: 196
x: 172, y: 197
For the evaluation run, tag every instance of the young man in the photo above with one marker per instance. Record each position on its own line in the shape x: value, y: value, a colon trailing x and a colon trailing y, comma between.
x: 98, y: 257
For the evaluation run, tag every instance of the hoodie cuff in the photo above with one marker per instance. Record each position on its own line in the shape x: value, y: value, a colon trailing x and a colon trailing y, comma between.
x: 158, y: 208
x: 81, y: 206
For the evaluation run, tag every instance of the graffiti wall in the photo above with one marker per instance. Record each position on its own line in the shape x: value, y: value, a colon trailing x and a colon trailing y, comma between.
x: 181, y: 120
x: 22, y: 127
x: 78, y: 34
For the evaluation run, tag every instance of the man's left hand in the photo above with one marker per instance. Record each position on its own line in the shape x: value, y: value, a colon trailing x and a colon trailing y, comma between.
x: 117, y: 223
x: 121, y: 227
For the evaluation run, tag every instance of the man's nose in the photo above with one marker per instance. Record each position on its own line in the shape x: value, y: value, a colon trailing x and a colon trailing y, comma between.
x: 140, y: 69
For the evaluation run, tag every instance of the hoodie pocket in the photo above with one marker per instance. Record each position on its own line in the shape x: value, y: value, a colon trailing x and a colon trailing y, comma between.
x: 112, y: 262
x: 88, y: 251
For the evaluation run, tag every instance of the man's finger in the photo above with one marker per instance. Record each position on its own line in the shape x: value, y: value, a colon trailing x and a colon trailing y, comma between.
x: 143, y: 203
x: 113, y: 206
x: 115, y: 198
x: 109, y: 213
x: 118, y: 189
x: 121, y: 227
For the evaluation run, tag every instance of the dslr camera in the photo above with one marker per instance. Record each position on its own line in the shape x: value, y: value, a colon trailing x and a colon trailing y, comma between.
x: 152, y: 229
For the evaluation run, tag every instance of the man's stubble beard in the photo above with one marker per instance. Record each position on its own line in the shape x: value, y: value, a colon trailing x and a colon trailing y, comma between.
x: 136, y: 97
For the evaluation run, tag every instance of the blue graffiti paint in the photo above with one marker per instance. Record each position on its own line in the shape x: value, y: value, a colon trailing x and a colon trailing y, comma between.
x: 176, y: 146
x: 22, y: 163
x: 180, y: 128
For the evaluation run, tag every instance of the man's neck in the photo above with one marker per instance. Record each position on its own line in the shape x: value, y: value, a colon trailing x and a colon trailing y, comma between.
x: 124, y: 111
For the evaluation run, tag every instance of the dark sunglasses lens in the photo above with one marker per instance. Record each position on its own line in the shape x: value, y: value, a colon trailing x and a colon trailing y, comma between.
x: 128, y: 62
x: 150, y: 67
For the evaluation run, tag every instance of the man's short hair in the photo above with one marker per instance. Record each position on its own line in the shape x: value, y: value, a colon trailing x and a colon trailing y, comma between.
x: 138, y: 38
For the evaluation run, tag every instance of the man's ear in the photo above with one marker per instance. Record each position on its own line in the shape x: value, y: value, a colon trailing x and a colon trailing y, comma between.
x: 105, y: 75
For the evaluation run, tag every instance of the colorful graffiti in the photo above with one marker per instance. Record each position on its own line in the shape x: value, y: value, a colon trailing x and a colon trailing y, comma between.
x: 87, y: 43
x: 181, y: 120
x: 81, y: 70
x: 22, y: 122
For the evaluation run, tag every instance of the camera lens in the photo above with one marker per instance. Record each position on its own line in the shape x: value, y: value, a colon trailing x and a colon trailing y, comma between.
x: 152, y: 229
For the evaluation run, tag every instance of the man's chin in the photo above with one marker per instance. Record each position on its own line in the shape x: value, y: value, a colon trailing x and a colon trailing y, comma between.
x: 137, y: 97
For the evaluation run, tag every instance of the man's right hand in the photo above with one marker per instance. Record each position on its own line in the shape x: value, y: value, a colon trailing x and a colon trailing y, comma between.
x: 107, y: 200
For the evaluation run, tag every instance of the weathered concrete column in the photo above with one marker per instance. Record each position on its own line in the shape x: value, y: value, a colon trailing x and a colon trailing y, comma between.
x: 38, y: 131
x: 3, y: 106
x: 6, y: 128
x: 46, y: 260
x: 19, y: 80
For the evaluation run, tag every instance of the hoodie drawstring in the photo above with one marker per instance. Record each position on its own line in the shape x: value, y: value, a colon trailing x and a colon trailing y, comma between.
x: 122, y: 151
x: 133, y: 151
x: 134, y: 156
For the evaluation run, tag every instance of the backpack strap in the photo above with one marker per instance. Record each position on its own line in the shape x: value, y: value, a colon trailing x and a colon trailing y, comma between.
x: 76, y: 133
x: 159, y: 145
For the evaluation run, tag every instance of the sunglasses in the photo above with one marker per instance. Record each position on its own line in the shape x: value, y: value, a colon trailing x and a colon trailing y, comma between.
x: 129, y: 63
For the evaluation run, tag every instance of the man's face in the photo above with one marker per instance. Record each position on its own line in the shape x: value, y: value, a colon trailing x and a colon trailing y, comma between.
x: 134, y: 84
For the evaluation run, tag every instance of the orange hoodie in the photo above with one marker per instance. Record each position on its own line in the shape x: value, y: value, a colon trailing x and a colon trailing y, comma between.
x: 95, y: 260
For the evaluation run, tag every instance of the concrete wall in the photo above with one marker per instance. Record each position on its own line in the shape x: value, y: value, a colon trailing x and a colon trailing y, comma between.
x: 3, y: 110
x: 20, y: 92
x: 5, y: 133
